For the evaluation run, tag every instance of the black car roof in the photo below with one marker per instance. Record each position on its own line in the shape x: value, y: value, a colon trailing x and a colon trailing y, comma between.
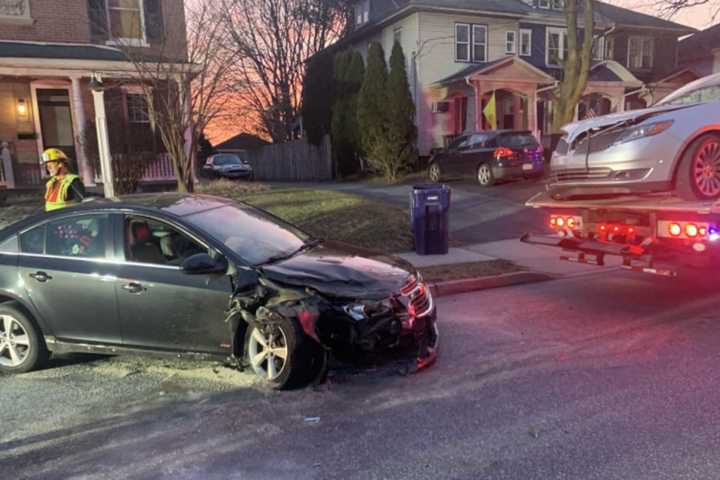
x: 171, y: 204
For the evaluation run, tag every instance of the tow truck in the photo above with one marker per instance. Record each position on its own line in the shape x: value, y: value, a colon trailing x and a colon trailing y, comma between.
x: 658, y: 234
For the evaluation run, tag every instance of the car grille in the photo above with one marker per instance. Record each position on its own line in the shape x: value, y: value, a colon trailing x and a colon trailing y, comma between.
x: 598, y: 143
x: 571, y: 174
x: 420, y: 302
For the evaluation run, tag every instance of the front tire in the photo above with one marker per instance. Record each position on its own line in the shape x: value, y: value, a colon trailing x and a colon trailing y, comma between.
x: 698, y: 176
x: 485, y: 175
x: 280, y: 353
x: 22, y: 348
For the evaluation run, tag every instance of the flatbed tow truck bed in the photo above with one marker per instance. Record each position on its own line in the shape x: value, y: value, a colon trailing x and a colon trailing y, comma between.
x: 653, y: 233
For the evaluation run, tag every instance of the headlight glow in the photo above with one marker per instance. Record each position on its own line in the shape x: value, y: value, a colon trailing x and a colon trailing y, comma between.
x: 642, y: 131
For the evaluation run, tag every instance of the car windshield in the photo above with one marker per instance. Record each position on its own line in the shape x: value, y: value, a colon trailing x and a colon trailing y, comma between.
x: 698, y: 92
x: 517, y: 140
x: 254, y: 235
x: 227, y: 160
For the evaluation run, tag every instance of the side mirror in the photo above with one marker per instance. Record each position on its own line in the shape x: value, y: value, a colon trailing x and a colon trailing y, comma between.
x: 203, y: 263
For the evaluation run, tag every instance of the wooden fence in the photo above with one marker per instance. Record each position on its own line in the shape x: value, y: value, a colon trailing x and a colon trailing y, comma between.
x: 295, y: 161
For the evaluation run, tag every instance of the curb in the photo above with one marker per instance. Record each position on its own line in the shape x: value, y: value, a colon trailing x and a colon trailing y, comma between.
x: 456, y: 287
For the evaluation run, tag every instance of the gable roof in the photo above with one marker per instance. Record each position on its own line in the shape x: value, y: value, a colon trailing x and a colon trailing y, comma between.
x: 624, y: 17
x: 488, y: 67
x: 700, y: 45
x: 243, y: 141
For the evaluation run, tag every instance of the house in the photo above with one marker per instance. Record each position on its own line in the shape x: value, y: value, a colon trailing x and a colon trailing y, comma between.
x: 239, y: 144
x: 461, y: 52
x: 700, y: 52
x: 49, y: 52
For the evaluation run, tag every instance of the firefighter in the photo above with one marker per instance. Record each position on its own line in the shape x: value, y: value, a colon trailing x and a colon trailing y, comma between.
x: 64, y: 188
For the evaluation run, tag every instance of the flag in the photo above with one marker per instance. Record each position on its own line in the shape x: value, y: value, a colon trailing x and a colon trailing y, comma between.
x: 490, y: 113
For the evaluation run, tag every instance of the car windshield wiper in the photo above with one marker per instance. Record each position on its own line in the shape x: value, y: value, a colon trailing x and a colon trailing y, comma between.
x: 284, y: 256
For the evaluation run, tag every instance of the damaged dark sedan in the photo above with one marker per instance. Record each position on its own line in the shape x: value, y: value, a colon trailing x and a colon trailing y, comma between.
x: 204, y: 277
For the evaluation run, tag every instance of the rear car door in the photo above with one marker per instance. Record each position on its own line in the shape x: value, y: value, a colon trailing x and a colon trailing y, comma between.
x: 455, y: 155
x: 65, y: 266
x: 160, y: 306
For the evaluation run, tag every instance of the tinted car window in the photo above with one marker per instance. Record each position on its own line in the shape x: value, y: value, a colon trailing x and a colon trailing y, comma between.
x: 156, y: 243
x: 518, y: 140
x: 83, y: 237
x: 33, y: 241
x: 701, y: 95
x: 226, y: 160
x: 250, y: 233
x: 457, y: 143
x: 477, y: 140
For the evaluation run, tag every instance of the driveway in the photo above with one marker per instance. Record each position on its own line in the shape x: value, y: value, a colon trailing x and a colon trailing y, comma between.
x: 595, y: 377
x: 477, y: 214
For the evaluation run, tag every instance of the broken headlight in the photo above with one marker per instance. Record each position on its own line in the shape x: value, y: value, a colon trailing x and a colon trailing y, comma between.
x: 356, y: 312
x: 642, y: 131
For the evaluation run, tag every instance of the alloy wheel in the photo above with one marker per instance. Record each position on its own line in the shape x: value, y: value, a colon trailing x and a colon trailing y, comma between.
x: 268, y: 351
x: 484, y: 174
x: 434, y: 172
x: 14, y: 342
x: 706, y: 169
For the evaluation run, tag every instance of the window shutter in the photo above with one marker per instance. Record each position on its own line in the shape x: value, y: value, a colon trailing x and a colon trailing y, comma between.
x: 98, y: 21
x: 154, y: 27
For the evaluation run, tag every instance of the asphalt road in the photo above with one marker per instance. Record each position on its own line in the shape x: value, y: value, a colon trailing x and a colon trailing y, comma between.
x: 477, y: 214
x: 596, y: 377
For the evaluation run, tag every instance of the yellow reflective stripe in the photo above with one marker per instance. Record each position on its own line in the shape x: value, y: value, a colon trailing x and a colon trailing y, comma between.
x: 61, y: 202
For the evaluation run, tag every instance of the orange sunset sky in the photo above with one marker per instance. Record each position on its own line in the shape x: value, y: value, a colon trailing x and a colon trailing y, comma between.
x: 699, y: 17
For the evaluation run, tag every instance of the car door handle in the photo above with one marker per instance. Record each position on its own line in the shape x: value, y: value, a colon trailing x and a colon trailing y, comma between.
x: 41, y: 277
x: 134, y: 287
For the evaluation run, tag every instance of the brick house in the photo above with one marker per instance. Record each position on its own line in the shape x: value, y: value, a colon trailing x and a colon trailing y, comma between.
x: 49, y: 52
x: 461, y: 52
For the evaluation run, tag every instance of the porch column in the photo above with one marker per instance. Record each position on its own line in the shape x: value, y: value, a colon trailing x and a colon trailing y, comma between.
x: 478, y: 106
x: 532, y: 113
x: 80, y: 120
x: 619, y: 102
x: 103, y: 142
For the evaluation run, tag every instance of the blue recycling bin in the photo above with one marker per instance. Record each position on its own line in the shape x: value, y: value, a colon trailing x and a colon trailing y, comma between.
x: 430, y: 218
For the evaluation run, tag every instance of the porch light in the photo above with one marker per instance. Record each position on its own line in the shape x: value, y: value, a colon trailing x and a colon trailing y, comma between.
x: 22, y: 108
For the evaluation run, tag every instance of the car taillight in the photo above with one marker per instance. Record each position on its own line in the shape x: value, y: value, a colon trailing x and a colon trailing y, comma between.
x: 691, y: 230
x: 561, y: 222
x: 675, y: 229
x: 503, y: 152
x: 687, y: 230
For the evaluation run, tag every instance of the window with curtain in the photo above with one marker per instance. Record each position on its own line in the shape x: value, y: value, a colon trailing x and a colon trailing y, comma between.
x: 126, y: 19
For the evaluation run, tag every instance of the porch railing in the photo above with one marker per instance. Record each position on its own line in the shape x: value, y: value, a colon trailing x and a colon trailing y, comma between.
x: 160, y: 169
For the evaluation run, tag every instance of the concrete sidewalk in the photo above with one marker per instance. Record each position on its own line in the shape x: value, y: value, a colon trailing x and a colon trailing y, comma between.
x: 539, y: 259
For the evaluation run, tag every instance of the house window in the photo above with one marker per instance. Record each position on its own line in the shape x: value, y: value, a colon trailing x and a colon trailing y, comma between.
x: 610, y: 48
x: 462, y: 42
x: 526, y: 43
x: 598, y: 51
x: 558, y: 4
x: 544, y: 3
x: 362, y: 12
x: 137, y: 108
x: 479, y: 50
x: 556, y: 50
x: 641, y: 53
x: 470, y: 43
x: 14, y: 10
x: 511, y: 42
x: 126, y: 20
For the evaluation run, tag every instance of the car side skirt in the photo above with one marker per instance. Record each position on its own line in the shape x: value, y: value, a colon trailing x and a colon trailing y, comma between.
x: 62, y: 347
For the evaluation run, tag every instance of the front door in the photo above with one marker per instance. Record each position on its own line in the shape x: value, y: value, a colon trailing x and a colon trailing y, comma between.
x: 56, y: 122
x: 160, y: 306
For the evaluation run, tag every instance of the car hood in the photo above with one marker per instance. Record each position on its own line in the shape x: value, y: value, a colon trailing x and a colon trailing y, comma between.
x: 576, y: 128
x: 340, y: 270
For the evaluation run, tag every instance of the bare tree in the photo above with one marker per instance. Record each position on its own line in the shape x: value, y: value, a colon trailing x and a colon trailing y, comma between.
x: 670, y: 8
x: 576, y: 68
x: 186, y: 92
x: 273, y: 39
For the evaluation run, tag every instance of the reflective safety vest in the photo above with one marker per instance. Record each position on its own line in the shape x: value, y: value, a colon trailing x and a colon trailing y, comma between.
x: 60, y: 201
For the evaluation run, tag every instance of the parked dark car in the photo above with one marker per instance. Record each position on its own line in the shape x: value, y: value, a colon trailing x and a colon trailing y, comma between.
x: 225, y: 165
x: 200, y: 276
x: 490, y: 157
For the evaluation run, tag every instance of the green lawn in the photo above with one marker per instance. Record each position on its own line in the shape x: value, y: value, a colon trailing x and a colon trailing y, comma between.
x: 327, y: 214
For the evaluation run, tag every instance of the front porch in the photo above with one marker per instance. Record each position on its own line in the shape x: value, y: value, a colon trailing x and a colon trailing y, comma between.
x: 524, y: 97
x: 48, y: 103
